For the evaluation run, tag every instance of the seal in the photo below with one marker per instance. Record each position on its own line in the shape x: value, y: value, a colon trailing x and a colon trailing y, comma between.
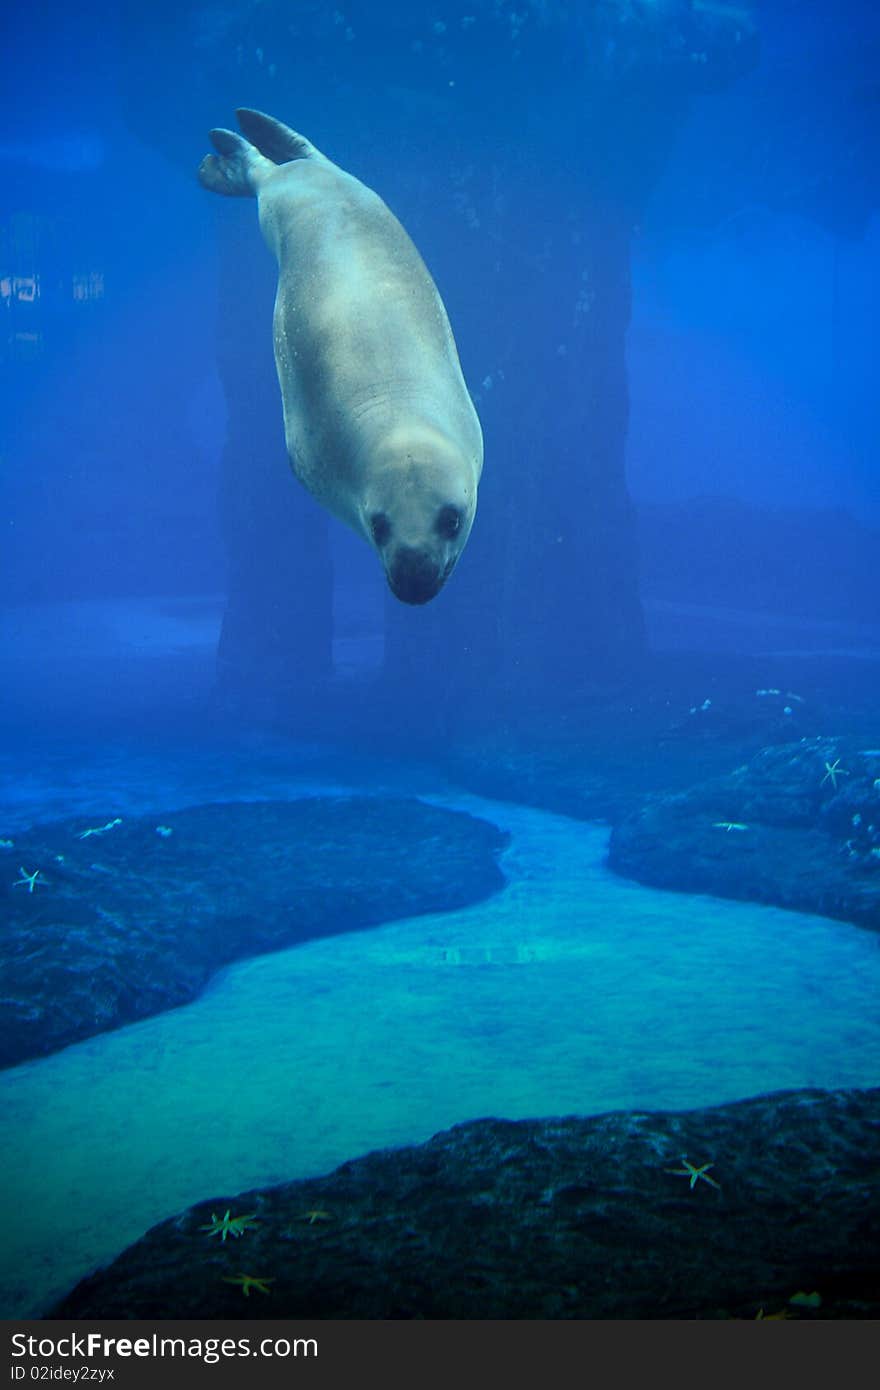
x: 378, y: 421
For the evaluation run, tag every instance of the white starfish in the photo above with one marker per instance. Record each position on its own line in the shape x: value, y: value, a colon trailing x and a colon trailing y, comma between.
x: 832, y: 772
x: 99, y: 829
x: 29, y: 879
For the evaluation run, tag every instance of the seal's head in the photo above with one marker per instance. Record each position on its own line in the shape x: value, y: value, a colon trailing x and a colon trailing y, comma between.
x: 417, y: 514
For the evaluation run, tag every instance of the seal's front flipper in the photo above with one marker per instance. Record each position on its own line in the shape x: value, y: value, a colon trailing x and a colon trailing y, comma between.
x: 276, y: 141
x: 237, y: 169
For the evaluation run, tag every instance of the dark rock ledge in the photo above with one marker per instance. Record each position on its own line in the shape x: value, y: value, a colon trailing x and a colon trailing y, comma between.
x: 135, y: 920
x: 554, y: 1218
x: 797, y: 826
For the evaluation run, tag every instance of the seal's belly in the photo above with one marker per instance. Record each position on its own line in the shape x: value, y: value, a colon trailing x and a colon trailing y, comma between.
x: 356, y: 358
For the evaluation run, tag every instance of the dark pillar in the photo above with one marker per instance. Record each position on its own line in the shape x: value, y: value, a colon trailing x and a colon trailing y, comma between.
x: 276, y: 639
x: 546, y: 599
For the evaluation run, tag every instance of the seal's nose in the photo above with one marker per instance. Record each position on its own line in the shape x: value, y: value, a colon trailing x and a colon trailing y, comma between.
x: 413, y: 576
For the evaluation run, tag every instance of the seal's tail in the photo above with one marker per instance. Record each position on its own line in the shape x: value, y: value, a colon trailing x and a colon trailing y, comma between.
x: 237, y: 168
x: 241, y: 165
x: 276, y: 141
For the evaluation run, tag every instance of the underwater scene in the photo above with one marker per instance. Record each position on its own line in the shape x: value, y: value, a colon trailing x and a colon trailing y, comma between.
x: 440, y: 660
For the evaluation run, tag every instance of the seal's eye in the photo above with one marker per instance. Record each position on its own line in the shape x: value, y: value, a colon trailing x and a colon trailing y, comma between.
x: 380, y: 527
x: 449, y: 522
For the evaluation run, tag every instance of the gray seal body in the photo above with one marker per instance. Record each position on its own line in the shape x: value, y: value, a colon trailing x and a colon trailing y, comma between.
x: 378, y: 421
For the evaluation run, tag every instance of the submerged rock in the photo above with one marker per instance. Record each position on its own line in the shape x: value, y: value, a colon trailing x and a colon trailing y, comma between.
x: 105, y: 924
x: 767, y: 1207
x: 798, y: 826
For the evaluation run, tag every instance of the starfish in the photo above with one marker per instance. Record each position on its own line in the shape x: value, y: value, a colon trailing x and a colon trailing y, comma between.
x: 246, y: 1282
x: 729, y: 825
x: 99, y: 829
x: 315, y: 1215
x: 689, y: 1171
x: 832, y: 772
x: 228, y: 1225
x: 806, y: 1300
x: 29, y: 879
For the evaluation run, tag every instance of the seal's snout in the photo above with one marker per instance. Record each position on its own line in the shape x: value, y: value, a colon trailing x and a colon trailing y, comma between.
x: 413, y: 576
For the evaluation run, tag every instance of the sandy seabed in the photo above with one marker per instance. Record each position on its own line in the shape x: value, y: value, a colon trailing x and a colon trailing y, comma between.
x: 570, y: 992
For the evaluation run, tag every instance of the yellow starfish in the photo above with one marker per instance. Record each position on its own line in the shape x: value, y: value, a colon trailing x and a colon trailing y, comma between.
x: 689, y: 1171
x: 228, y: 1225
x: 246, y: 1282
x: 315, y: 1215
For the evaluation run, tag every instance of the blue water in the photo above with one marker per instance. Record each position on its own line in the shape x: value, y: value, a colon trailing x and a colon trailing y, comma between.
x: 655, y: 229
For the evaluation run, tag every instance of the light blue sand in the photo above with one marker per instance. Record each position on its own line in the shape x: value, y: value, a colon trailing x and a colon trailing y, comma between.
x: 571, y: 991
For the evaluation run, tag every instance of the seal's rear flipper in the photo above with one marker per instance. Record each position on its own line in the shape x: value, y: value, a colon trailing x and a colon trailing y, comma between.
x: 237, y: 169
x: 276, y: 141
